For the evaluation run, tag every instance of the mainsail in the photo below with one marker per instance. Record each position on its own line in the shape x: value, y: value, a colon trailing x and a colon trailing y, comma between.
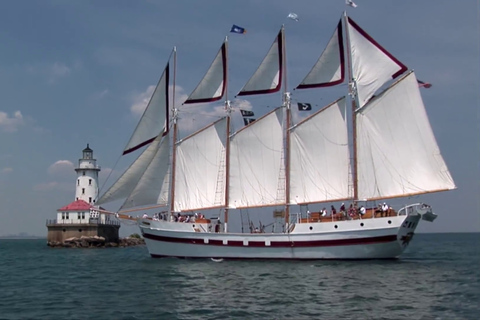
x: 320, y: 160
x: 397, y: 151
x: 256, y: 164
x: 200, y: 169
x: 154, y: 119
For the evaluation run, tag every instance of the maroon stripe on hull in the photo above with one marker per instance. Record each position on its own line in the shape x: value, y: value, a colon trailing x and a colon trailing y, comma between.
x: 278, y: 244
x: 261, y: 259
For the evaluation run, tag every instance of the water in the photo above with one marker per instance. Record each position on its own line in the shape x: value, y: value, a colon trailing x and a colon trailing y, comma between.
x: 437, y: 278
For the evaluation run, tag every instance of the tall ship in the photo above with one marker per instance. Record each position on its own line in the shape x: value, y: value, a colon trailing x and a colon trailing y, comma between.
x: 373, y: 145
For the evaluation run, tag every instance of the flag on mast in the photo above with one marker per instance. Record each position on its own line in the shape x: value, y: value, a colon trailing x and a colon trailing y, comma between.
x: 293, y: 16
x: 237, y: 29
x: 351, y: 3
x: 304, y: 106
x: 424, y: 84
x: 247, y: 113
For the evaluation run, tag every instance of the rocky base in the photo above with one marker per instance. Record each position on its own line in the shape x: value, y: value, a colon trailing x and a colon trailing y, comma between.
x: 96, y: 242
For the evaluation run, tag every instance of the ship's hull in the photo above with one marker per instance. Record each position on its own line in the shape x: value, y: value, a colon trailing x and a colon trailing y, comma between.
x: 378, y: 238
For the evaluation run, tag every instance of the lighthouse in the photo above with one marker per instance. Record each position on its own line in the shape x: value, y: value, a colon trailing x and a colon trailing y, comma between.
x: 81, y: 219
x: 87, y: 177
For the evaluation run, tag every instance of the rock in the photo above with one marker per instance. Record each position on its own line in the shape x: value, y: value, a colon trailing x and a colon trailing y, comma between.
x: 96, y: 242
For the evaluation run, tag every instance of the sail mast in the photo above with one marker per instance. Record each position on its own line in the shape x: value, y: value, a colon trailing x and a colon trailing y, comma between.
x: 175, y: 132
x: 286, y: 101
x: 227, y: 142
x: 354, y: 99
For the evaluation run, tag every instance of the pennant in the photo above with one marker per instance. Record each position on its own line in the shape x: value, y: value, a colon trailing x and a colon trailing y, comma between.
x: 247, y: 121
x: 293, y: 16
x: 304, y: 106
x: 247, y: 113
x: 350, y: 3
x: 237, y: 29
x: 424, y: 84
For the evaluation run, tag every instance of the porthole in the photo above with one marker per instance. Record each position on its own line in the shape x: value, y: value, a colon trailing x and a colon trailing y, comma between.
x: 389, y: 221
x: 64, y: 230
x: 193, y: 226
x: 361, y: 224
x: 79, y: 230
x: 311, y: 228
x: 336, y: 226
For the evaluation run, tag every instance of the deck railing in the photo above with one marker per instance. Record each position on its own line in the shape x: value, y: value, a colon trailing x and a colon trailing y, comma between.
x: 83, y: 221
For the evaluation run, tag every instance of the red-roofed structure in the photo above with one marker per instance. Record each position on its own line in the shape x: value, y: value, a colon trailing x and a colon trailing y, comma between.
x: 76, y: 206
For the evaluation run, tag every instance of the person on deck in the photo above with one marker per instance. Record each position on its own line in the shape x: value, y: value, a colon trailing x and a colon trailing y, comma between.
x: 342, y: 207
x: 351, y: 211
x: 384, y: 209
x: 323, y: 212
x: 334, y: 211
x: 362, y: 211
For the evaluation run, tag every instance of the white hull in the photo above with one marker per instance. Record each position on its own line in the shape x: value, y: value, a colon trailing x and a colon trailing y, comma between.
x: 377, y: 238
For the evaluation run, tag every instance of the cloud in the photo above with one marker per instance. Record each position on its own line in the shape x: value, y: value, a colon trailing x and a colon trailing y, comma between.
x: 53, y: 71
x: 59, y: 69
x: 53, y: 186
x: 7, y: 170
x: 11, y: 124
x: 61, y: 167
x: 140, y: 101
x: 101, y: 94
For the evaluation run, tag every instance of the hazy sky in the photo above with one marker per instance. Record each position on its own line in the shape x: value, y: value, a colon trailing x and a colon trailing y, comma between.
x: 78, y: 72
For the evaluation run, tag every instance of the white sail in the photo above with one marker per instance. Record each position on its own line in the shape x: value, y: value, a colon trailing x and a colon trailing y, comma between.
x: 329, y: 70
x: 153, y: 185
x: 320, y: 161
x: 212, y: 86
x: 200, y: 169
x: 268, y: 77
x: 256, y: 164
x: 372, y: 65
x: 154, y: 118
x: 397, y: 151
x: 125, y: 185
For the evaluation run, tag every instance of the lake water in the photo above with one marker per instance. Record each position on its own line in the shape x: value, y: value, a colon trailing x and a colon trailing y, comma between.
x: 438, y: 277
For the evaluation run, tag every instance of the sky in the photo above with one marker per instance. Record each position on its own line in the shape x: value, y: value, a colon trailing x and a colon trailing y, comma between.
x: 78, y: 72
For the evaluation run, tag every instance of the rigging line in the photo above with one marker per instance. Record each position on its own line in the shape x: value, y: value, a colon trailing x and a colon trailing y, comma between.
x: 108, y: 177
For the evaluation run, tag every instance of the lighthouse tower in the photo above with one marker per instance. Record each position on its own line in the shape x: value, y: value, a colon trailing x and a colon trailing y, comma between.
x: 87, y: 177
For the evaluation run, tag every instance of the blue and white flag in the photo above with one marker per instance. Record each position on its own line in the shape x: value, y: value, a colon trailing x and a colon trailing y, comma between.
x: 237, y: 29
x: 293, y: 16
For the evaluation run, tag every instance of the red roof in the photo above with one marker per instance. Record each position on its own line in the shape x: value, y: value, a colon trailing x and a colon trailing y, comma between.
x: 76, y: 206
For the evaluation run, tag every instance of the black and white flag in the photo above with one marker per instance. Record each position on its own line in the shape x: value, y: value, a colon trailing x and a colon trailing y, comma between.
x: 247, y: 113
x: 304, y: 106
x: 247, y: 121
